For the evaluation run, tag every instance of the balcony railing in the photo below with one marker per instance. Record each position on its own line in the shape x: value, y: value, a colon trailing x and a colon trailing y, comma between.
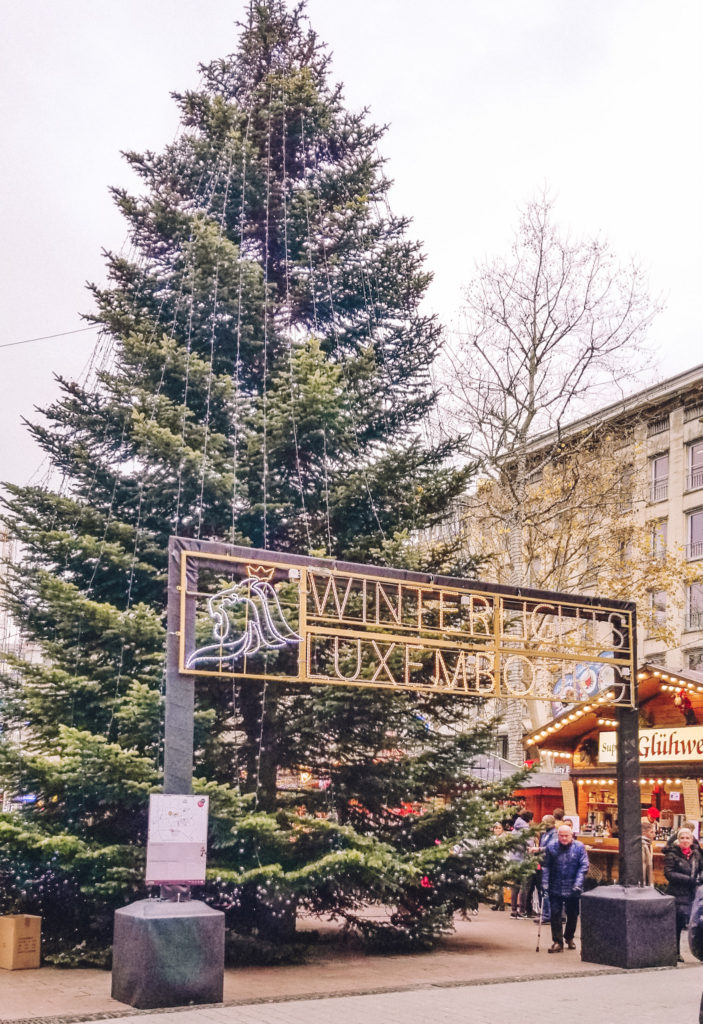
x: 694, y: 480
x: 659, y: 490
x: 694, y: 621
x: 694, y: 551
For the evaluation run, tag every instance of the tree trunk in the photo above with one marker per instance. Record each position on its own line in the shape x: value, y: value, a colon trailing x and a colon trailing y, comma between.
x: 516, y: 709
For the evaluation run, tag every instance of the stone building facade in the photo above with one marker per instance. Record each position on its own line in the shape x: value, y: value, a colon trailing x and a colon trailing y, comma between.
x: 657, y: 439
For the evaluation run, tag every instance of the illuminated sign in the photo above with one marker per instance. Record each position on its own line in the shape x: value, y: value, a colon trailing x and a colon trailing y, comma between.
x: 256, y: 614
x: 685, y: 744
x: 262, y: 627
x: 581, y: 683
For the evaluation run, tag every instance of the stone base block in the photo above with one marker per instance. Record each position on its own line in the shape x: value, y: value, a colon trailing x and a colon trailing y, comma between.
x: 628, y: 927
x: 168, y: 954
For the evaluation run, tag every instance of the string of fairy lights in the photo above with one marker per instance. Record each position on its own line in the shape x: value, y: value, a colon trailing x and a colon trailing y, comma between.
x: 209, y: 191
x: 90, y: 378
x: 209, y: 200
x: 214, y: 186
x: 289, y: 325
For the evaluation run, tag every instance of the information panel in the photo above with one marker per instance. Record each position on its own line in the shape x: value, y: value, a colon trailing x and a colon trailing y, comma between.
x: 176, y: 851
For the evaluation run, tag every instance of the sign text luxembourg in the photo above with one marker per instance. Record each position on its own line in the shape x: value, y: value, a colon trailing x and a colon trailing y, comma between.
x: 258, y: 614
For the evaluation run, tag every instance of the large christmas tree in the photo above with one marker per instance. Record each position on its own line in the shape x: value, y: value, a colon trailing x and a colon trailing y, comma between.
x: 266, y: 382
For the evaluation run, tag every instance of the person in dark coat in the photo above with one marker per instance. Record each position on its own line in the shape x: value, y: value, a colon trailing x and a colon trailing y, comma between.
x: 534, y: 883
x: 683, y: 865
x: 563, y: 873
x: 518, y: 891
x: 549, y: 824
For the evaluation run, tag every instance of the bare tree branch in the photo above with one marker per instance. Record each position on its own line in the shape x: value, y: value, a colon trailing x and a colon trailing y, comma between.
x: 548, y: 333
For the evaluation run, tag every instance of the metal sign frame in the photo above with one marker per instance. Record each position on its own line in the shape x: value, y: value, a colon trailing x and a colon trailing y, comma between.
x: 266, y: 627
x: 347, y: 624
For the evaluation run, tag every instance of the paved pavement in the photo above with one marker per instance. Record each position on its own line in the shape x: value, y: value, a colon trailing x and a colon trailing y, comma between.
x: 646, y: 997
x: 489, y: 971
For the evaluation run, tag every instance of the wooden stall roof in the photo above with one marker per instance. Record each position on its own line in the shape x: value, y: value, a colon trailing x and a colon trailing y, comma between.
x: 564, y: 732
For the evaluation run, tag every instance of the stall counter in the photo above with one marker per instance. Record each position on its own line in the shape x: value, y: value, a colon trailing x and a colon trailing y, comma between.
x: 603, y: 852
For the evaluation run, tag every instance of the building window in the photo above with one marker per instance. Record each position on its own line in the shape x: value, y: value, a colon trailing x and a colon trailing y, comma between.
x: 625, y: 551
x: 694, y: 527
x: 694, y: 659
x: 694, y: 609
x: 694, y: 477
x: 502, y: 747
x: 626, y: 487
x: 591, y: 564
x: 536, y: 570
x: 657, y: 426
x: 659, y: 658
x: 658, y: 536
x: 659, y: 477
x: 658, y: 608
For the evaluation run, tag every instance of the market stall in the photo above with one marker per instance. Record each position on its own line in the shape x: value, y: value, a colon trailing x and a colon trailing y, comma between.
x: 671, y: 763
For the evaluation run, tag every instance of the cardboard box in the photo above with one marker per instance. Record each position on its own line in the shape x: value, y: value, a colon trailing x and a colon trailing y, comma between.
x: 20, y: 941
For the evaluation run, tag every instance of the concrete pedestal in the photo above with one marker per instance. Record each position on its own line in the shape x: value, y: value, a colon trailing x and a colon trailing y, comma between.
x: 628, y: 927
x: 168, y: 954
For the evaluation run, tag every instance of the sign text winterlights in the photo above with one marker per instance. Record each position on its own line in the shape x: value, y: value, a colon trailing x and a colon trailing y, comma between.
x: 258, y: 614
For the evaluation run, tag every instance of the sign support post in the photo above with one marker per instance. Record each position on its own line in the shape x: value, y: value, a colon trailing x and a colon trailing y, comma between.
x: 627, y: 925
x: 180, y: 690
x: 171, y: 951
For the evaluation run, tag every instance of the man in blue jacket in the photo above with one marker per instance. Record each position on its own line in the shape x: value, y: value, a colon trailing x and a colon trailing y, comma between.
x: 563, y: 872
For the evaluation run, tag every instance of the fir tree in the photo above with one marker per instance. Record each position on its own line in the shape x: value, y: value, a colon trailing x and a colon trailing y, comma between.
x: 267, y: 383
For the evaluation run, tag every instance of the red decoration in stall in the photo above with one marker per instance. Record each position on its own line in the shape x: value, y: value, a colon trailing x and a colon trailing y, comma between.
x: 683, y: 703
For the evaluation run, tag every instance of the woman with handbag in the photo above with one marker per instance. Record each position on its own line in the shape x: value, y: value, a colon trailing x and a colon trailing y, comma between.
x: 683, y: 865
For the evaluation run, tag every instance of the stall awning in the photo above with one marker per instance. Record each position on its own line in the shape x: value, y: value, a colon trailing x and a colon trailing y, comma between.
x: 562, y: 734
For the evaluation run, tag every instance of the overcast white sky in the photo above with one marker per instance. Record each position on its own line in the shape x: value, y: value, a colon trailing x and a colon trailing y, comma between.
x: 486, y: 101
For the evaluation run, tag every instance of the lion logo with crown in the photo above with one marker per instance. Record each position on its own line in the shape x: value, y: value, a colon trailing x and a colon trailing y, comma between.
x: 264, y: 628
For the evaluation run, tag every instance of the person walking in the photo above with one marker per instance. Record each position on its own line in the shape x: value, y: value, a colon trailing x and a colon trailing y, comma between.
x: 550, y: 833
x: 499, y: 904
x: 518, y: 891
x: 563, y: 872
x: 683, y: 865
x: 549, y: 829
x: 534, y: 885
